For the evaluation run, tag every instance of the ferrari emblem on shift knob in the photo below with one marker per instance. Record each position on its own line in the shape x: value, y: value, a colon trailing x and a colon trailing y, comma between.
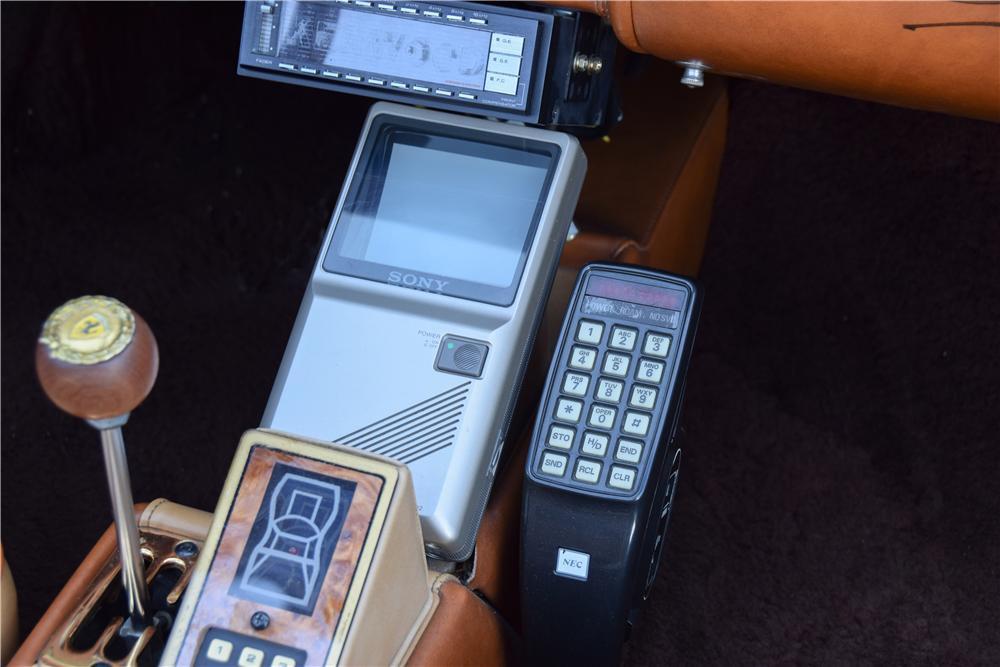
x: 95, y: 358
x: 88, y: 330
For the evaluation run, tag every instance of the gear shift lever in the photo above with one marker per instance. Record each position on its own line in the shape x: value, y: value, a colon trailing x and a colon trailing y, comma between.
x: 97, y: 360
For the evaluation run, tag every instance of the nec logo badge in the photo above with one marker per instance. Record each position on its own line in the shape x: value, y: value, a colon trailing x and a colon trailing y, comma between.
x: 572, y: 564
x: 413, y: 281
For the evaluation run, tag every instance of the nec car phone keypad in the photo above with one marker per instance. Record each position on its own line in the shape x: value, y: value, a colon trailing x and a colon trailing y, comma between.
x: 602, y: 464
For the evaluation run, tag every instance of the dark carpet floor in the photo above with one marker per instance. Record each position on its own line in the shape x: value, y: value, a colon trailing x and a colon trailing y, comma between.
x: 840, y: 496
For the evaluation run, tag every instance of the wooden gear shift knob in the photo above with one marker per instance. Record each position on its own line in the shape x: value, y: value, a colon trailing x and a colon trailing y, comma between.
x: 95, y: 358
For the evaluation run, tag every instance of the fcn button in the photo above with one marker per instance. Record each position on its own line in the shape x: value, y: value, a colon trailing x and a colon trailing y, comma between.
x: 573, y: 564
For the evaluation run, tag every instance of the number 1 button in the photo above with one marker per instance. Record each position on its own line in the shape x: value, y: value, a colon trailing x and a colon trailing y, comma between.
x: 589, y: 332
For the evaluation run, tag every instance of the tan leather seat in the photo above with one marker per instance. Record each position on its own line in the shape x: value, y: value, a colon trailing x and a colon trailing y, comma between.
x: 942, y: 56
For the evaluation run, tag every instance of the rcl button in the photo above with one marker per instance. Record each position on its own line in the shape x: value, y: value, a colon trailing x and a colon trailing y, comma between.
x: 622, y: 478
x: 587, y: 471
x: 572, y: 564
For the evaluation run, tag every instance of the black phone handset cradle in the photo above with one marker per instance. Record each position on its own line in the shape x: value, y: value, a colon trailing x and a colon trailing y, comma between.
x: 603, y: 462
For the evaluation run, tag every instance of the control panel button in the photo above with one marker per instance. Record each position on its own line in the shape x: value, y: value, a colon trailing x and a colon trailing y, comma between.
x: 623, y: 338
x: 501, y: 83
x: 617, y: 364
x: 408, y: 10
x: 636, y: 423
x: 467, y: 96
x: 431, y: 13
x: 594, y: 444
x: 352, y: 77
x: 251, y: 657
x: 622, y: 478
x: 219, y: 650
x: 587, y: 471
x: 573, y: 564
x: 656, y: 345
x: 583, y: 358
x: 576, y: 384
x: 561, y: 437
x: 386, y: 8
x: 461, y: 356
x: 568, y: 410
x: 589, y: 332
x: 454, y: 17
x: 629, y: 451
x: 421, y: 89
x: 287, y: 66
x: 376, y: 82
x: 602, y: 417
x: 332, y: 75
x: 609, y: 391
x: 443, y: 93
x: 398, y: 84
x: 554, y: 464
x: 649, y: 370
x: 504, y: 64
x: 509, y: 44
x: 283, y: 661
x: 643, y: 397
x: 477, y: 21
x: 307, y: 70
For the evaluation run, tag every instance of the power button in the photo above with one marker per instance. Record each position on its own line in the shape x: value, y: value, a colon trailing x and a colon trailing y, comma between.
x: 462, y: 356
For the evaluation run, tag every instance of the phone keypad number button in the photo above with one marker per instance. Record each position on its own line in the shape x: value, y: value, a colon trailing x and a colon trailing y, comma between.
x: 602, y: 417
x: 643, y: 397
x: 649, y: 370
x: 576, y: 384
x: 609, y: 391
x: 656, y: 345
x: 617, y: 364
x: 589, y: 331
x: 623, y: 338
x: 583, y: 358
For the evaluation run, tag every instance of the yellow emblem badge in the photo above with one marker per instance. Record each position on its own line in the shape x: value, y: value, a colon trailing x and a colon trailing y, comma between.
x: 88, y: 330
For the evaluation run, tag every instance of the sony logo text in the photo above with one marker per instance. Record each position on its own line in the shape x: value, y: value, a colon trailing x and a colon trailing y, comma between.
x: 414, y: 281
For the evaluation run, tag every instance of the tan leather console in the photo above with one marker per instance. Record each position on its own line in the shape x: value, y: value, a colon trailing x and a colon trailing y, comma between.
x: 942, y: 56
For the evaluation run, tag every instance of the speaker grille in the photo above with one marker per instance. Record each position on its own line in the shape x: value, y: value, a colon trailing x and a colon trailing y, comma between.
x: 418, y: 431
